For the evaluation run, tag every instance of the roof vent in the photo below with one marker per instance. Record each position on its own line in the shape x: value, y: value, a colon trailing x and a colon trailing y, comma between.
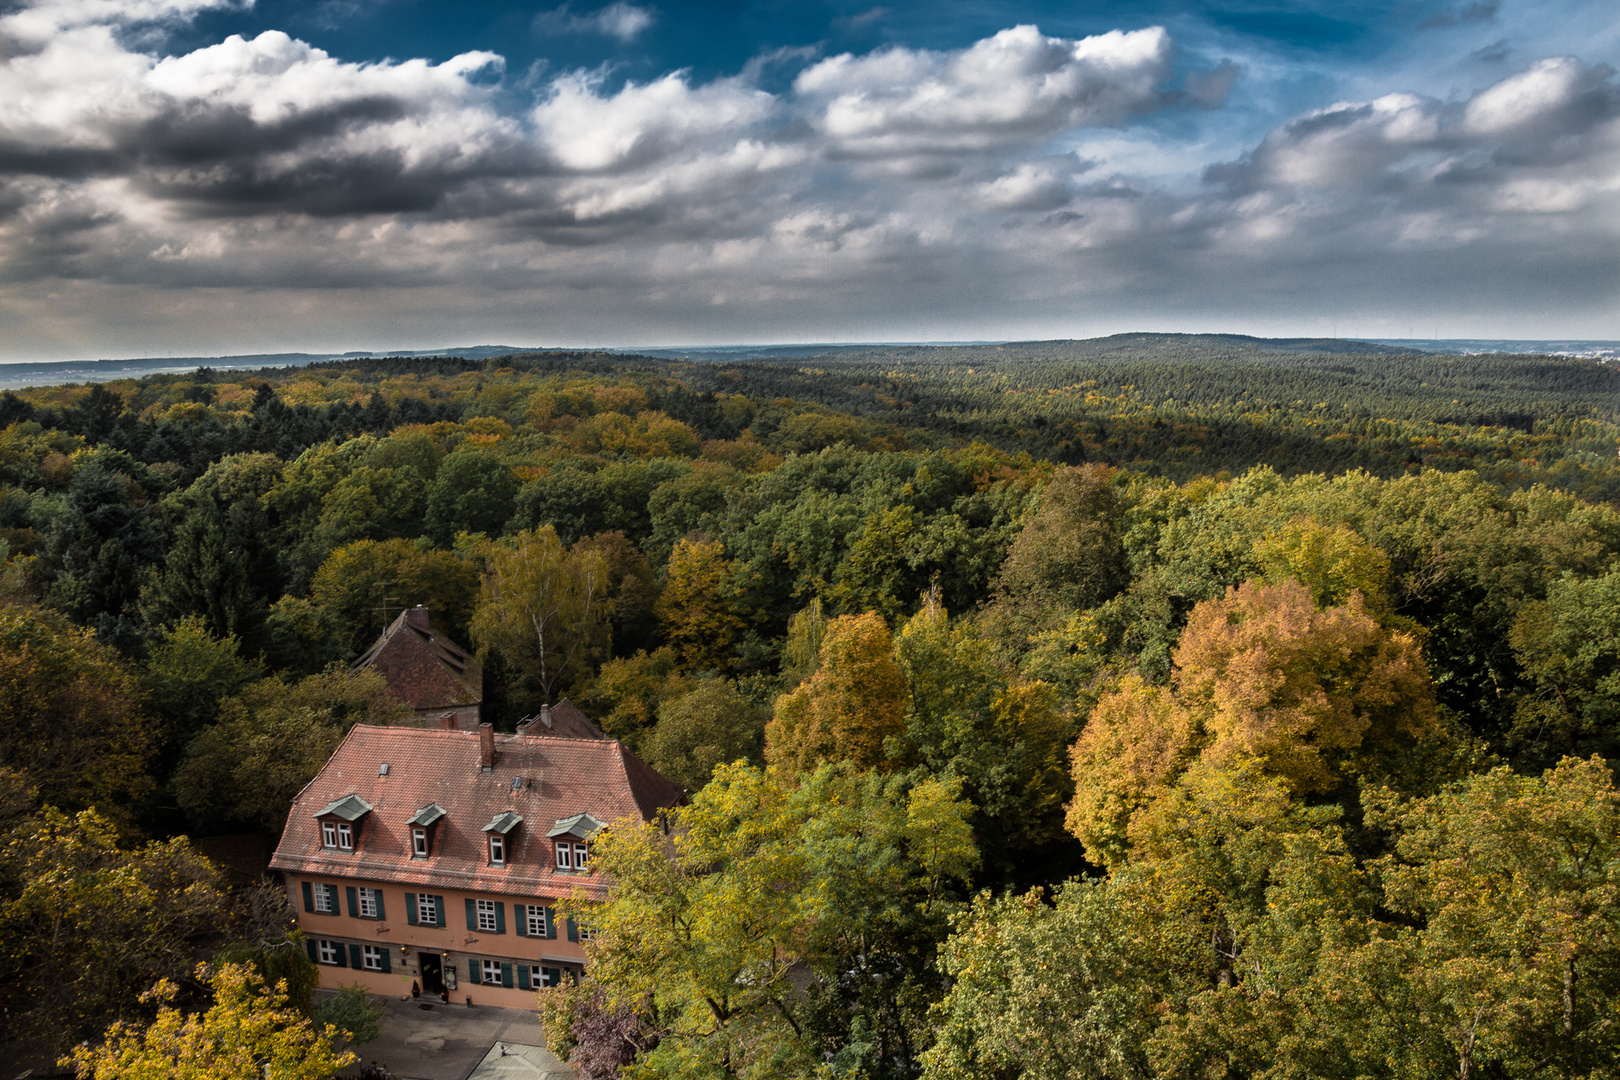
x: 517, y: 783
x: 382, y: 770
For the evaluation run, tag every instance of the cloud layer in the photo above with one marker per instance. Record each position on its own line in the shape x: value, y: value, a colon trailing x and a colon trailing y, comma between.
x: 147, y: 197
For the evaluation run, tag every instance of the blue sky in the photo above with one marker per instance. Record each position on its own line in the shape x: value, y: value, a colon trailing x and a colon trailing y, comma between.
x: 194, y: 176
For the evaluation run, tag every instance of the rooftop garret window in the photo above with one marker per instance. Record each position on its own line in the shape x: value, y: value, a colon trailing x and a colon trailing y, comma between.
x: 421, y: 825
x: 500, y: 832
x: 340, y: 822
x: 570, y: 840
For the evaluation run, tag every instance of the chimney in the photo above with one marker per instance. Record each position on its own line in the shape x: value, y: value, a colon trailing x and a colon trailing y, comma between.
x: 417, y: 617
x: 545, y: 715
x: 448, y: 723
x: 486, y: 746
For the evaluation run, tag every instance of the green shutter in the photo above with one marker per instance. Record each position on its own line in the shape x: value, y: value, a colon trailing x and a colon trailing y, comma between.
x: 309, y: 897
x: 381, y: 914
x: 438, y: 907
x: 354, y: 902
x: 551, y: 922
x: 520, y: 921
x: 472, y: 916
x: 342, y: 961
x: 410, y: 908
x: 387, y: 966
x: 309, y: 947
x: 506, y: 976
x: 500, y: 918
x: 354, y: 958
x: 332, y: 907
x: 553, y: 976
x: 523, y: 976
x: 472, y: 972
x: 573, y: 931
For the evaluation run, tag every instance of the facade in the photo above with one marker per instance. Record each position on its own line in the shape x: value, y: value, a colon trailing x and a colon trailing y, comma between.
x: 441, y: 682
x: 439, y: 856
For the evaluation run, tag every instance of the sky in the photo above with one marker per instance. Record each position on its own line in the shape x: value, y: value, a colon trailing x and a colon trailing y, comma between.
x: 203, y: 177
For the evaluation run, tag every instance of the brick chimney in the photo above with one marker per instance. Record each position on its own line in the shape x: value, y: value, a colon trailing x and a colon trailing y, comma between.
x: 486, y: 746
x: 448, y: 723
x: 417, y: 617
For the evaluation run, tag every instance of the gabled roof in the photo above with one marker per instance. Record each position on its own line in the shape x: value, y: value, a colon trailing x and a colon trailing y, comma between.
x: 349, y: 808
x: 564, y: 719
x: 425, y: 669
x: 426, y: 816
x: 503, y: 823
x: 432, y: 768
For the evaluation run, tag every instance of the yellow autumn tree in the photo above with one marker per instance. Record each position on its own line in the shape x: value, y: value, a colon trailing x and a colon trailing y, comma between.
x: 695, y: 607
x: 845, y: 711
x: 251, y: 1031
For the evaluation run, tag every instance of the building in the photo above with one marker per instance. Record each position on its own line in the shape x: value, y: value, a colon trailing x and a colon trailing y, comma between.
x: 437, y: 678
x: 439, y: 856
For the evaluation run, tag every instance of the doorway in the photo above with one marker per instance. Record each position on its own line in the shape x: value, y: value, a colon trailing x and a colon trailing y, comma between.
x: 432, y: 972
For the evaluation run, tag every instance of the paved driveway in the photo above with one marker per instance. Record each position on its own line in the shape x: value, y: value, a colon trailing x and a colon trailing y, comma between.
x: 448, y: 1042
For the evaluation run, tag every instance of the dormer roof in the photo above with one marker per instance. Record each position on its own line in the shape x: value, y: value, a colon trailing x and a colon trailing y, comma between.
x: 583, y: 826
x: 504, y: 822
x: 349, y: 808
x: 426, y: 816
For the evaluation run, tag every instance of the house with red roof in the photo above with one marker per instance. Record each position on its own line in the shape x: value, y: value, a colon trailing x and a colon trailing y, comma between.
x: 438, y: 856
x: 441, y: 682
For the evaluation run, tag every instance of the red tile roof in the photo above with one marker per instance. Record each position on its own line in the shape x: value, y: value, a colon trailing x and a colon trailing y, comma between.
x: 562, y: 777
x: 425, y: 669
x: 565, y: 719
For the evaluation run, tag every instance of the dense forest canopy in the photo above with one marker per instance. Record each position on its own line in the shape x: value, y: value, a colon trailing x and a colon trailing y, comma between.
x: 1130, y: 698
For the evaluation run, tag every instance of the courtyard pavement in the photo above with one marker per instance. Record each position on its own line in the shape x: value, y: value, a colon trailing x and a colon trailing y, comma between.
x: 450, y: 1042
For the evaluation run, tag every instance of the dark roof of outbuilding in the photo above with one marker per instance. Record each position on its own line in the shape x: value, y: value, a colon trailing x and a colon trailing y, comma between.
x: 425, y: 669
x: 565, y: 720
x: 542, y: 779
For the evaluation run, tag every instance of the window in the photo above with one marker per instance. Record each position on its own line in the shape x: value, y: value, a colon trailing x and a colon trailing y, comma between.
x: 537, y: 921
x: 585, y: 930
x: 486, y: 915
x: 328, y: 834
x: 371, y: 957
x: 368, y: 904
x: 330, y: 951
x: 491, y: 973
x: 497, y: 850
x: 427, y: 909
x: 419, y: 843
x: 323, y: 899
x: 337, y: 834
x: 542, y: 977
x: 565, y: 855
x: 580, y: 858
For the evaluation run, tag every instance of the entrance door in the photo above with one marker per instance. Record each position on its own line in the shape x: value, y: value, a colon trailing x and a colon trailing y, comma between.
x: 432, y: 972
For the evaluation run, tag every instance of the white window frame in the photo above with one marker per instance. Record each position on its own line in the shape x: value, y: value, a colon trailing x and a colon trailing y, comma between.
x: 329, y: 951
x: 497, y: 849
x: 565, y: 855
x: 584, y: 931
x: 582, y: 858
x: 486, y: 915
x: 490, y: 972
x: 371, y: 957
x: 368, y: 903
x: 419, y: 843
x: 329, y: 834
x: 537, y: 978
x: 536, y: 915
x: 325, y: 897
x: 427, y: 909
x: 345, y: 836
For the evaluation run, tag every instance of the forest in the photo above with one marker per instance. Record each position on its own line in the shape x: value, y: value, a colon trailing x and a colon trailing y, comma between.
x: 1152, y: 706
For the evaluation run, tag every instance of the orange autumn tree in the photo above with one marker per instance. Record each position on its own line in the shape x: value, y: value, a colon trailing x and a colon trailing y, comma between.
x: 1316, y: 695
x: 845, y: 711
x: 696, y: 608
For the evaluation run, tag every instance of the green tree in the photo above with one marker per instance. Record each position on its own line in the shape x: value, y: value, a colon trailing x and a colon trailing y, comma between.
x: 71, y: 715
x: 186, y: 675
x: 1569, y: 647
x: 362, y: 586
x: 541, y: 608
x: 249, y: 1031
x: 352, y: 1013
x: 629, y: 691
x: 711, y: 726
x: 271, y: 740
x: 474, y: 492
x: 86, y: 926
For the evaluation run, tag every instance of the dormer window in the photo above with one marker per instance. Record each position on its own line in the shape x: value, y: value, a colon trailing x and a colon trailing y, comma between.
x: 340, y: 821
x: 421, y: 825
x: 570, y: 840
x: 565, y: 855
x: 500, y: 836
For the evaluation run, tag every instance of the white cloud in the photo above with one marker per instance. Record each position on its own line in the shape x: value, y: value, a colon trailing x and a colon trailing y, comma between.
x: 585, y: 130
x: 620, y: 19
